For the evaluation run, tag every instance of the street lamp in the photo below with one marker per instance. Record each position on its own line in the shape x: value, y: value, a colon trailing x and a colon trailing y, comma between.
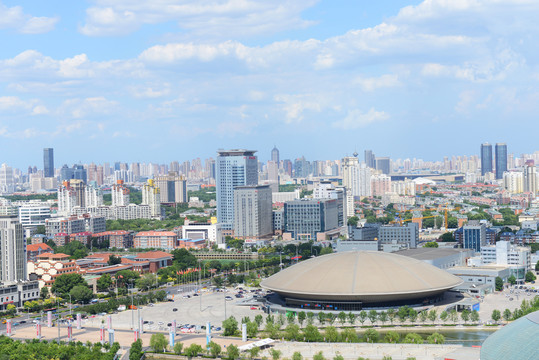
x: 58, y: 320
x: 70, y: 307
x: 132, y: 310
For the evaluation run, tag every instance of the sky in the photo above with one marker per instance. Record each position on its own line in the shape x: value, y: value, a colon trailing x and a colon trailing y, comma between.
x: 163, y: 80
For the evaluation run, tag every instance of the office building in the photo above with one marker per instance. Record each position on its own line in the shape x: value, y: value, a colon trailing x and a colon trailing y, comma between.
x: 474, y: 235
x: 383, y: 164
x: 234, y: 168
x: 326, y: 190
x: 310, y: 219
x: 209, y: 232
x: 505, y: 253
x: 7, y: 183
x: 166, y: 240
x: 278, y: 221
x: 48, y: 162
x: 275, y: 155
x: 486, y: 158
x: 151, y: 197
x: 501, y: 160
x: 33, y: 215
x: 172, y: 188
x: 12, y: 250
x: 253, y: 217
x: 75, y: 172
x: 398, y: 237
x: 370, y: 159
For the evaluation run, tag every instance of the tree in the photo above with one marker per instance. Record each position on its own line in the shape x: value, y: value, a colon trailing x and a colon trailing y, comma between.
x: 465, y: 315
x: 65, y: 282
x: 453, y: 315
x: 413, y: 338
x: 215, y: 349
x: 507, y: 314
x: 44, y: 293
x: 147, y: 281
x: 496, y: 315
x: 349, y: 335
x: 331, y: 318
x: 512, y: 280
x: 372, y: 316
x: 537, y: 266
x: 444, y: 316
x: 275, y: 354
x: 258, y: 320
x: 232, y: 352
x: 351, y: 318
x: 292, y: 332
x: 193, y: 350
x: 178, y: 347
x: 371, y: 336
x: 342, y: 317
x: 158, y: 342
x: 321, y: 317
x: 530, y: 277
x: 447, y: 237
x: 230, y: 326
x: 301, y: 317
x: 435, y: 338
x: 135, y: 352
x: 331, y: 334
x: 474, y: 316
x: 81, y: 294
x: 311, y: 333
x: 498, y: 283
x: 252, y: 329
x: 253, y: 352
x: 338, y: 357
x: 352, y: 221
x: 104, y: 282
x: 326, y: 250
x: 319, y: 356
x: 382, y: 317
x: 431, y: 244
x: 402, y: 313
x: 412, y: 315
x: 362, y: 316
x: 297, y: 356
x: 114, y: 260
x: 391, y: 313
x: 423, y: 316
x: 392, y: 337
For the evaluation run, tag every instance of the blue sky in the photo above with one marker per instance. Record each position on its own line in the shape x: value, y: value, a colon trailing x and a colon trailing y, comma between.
x: 162, y: 80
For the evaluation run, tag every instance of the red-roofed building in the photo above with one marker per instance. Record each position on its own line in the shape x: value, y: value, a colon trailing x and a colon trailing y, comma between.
x: 32, y: 251
x: 60, y: 239
x: 49, y: 266
x: 156, y: 239
x: 157, y: 259
x: 83, y: 237
x: 120, y: 239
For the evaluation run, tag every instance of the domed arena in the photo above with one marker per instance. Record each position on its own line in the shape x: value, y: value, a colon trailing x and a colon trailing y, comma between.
x: 518, y: 340
x: 356, y: 279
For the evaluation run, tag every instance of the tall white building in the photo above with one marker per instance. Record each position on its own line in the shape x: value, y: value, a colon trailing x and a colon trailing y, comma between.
x: 365, y: 174
x: 530, y: 177
x: 12, y: 250
x: 350, y: 175
x: 93, y: 196
x: 513, y: 181
x: 7, y: 184
x: 120, y: 194
x: 380, y: 184
x: 505, y: 253
x: 67, y: 199
x: 237, y: 167
x: 151, y: 196
x: 253, y: 216
x: 34, y: 214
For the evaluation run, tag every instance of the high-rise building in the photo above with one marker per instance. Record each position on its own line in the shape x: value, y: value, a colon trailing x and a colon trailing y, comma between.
x: 350, y: 175
x: 275, y: 155
x: 237, y: 167
x: 172, y: 187
x: 12, y: 250
x: 120, y: 194
x: 530, y: 177
x: 383, y: 164
x: 48, y: 162
x: 370, y: 159
x: 474, y: 235
x: 93, y: 196
x: 152, y: 197
x: 513, y: 181
x: 501, y: 160
x: 7, y: 184
x: 306, y: 218
x: 253, y: 217
x: 76, y: 172
x: 486, y: 158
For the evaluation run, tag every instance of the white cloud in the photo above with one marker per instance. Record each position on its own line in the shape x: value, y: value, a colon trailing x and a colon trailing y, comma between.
x: 356, y: 119
x: 82, y: 108
x: 374, y: 83
x: 295, y: 105
x: 208, y: 18
x: 15, y: 18
x: 40, y: 110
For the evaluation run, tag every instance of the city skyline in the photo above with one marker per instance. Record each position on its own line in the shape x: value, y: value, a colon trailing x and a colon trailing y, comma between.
x: 402, y: 78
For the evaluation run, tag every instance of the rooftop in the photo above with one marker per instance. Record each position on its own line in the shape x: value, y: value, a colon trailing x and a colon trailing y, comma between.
x: 430, y: 253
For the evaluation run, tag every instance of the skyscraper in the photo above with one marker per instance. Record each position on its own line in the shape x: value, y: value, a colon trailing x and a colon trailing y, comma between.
x: 486, y: 158
x: 253, y: 216
x: 12, y: 250
x: 370, y: 159
x: 48, y: 162
x: 173, y: 188
x: 275, y: 154
x: 501, y: 160
x: 383, y: 164
x: 237, y: 167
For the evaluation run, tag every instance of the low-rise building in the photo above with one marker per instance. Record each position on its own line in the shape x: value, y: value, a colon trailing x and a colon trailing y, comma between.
x: 443, y: 258
x: 398, y: 237
x: 17, y: 293
x: 157, y: 259
x: 191, y: 243
x: 207, y: 231
x: 156, y: 239
x: 505, y: 253
x: 49, y: 266
x: 33, y: 250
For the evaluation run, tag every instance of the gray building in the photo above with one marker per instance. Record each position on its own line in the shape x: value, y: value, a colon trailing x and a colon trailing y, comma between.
x: 18, y: 293
x: 48, y: 162
x: 365, y: 233
x: 486, y: 158
x: 383, y: 164
x: 305, y: 218
x: 397, y: 237
x: 12, y: 250
x: 278, y: 220
x: 76, y: 172
x: 233, y: 168
x: 443, y: 258
x: 474, y: 235
x: 172, y: 187
x: 370, y: 159
x: 501, y: 160
x: 253, y: 214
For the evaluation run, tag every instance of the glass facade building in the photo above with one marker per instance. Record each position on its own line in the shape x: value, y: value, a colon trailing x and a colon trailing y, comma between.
x: 501, y: 160
x: 486, y: 158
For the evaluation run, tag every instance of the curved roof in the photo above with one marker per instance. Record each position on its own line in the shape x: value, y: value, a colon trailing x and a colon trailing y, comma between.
x: 367, y: 276
x: 518, y: 340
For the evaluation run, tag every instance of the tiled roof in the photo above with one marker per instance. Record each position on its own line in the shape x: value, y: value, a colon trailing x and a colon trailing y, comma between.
x: 156, y: 233
x: 37, y: 247
x: 153, y: 255
x: 55, y: 256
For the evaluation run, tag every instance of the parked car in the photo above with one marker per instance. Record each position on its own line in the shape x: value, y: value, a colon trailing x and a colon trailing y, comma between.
x: 174, y: 309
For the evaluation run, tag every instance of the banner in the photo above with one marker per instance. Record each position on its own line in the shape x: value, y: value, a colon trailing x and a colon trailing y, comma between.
x: 38, y: 329
x: 111, y: 337
x: 79, y: 321
x: 69, y: 332
x: 208, y: 334
x: 244, y: 332
x: 109, y: 322
x: 49, y: 318
x: 141, y: 325
x: 171, y: 339
x: 8, y: 327
x: 102, y: 334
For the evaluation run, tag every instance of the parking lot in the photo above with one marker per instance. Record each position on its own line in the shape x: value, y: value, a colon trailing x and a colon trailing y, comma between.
x: 189, y: 309
x: 510, y: 298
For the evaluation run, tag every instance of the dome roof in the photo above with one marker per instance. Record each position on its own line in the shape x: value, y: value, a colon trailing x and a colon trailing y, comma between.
x: 518, y: 340
x: 367, y: 276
